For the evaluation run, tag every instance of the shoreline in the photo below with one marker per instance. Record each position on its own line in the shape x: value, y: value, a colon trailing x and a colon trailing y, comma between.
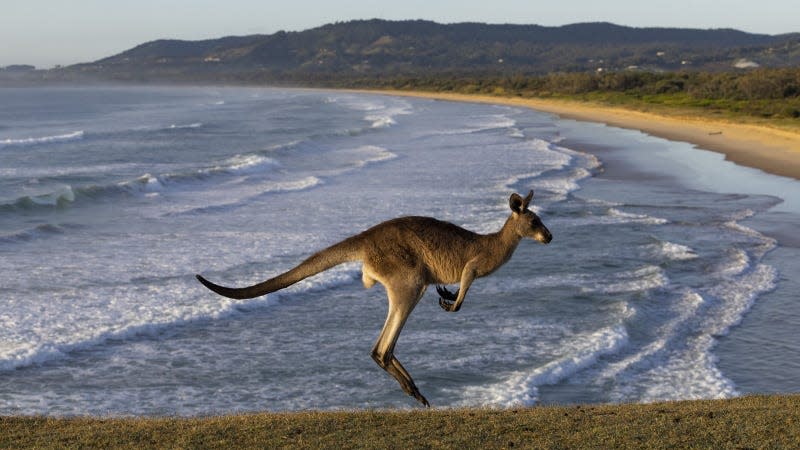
x: 772, y: 150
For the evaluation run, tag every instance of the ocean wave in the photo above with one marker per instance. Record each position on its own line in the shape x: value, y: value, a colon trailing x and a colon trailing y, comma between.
x: 242, y: 164
x: 481, y: 123
x: 764, y: 244
x: 270, y: 188
x: 670, y: 251
x: 567, y: 168
x: 688, y: 369
x: 516, y: 133
x: 369, y: 154
x: 656, y: 351
x: 678, y: 362
x: 145, y: 184
x: 184, y: 126
x: 612, y: 216
x: 63, y: 171
x: 522, y: 387
x: 625, y: 217
x: 379, y: 121
x: 734, y: 297
x: 36, y: 232
x: 639, y: 280
x: 380, y: 112
x: 356, y: 158
x: 691, y: 376
x: 562, y: 170
x: 58, y: 198
x: 561, y: 186
x: 125, y: 311
x: 736, y: 262
x: 76, y: 135
x: 642, y: 279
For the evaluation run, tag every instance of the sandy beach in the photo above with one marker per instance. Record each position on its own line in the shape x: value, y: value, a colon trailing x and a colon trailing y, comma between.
x: 772, y: 150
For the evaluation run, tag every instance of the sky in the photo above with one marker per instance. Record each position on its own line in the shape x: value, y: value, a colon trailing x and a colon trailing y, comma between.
x: 46, y: 33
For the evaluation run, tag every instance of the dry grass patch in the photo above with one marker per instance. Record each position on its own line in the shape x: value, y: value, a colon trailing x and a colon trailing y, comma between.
x: 747, y: 422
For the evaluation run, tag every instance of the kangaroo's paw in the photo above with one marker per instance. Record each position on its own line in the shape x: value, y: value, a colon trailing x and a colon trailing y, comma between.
x: 447, y: 299
x: 445, y: 294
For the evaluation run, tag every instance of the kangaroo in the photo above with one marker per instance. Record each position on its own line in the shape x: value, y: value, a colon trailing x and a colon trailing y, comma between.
x: 406, y: 255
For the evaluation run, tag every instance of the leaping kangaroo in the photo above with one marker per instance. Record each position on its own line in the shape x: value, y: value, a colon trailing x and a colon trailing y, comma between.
x: 406, y: 255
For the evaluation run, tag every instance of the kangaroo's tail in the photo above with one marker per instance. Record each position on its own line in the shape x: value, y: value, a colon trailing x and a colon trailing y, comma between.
x: 345, y: 251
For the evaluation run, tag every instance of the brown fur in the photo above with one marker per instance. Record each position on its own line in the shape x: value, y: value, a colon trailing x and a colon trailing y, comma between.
x: 406, y: 255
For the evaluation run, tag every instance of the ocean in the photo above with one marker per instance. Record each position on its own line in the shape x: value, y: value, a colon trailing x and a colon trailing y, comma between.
x: 672, y: 273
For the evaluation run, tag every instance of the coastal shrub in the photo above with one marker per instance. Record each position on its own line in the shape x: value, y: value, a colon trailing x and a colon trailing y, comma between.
x: 773, y: 93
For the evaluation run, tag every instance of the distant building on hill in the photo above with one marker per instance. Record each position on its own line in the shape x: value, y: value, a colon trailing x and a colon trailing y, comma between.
x: 744, y: 63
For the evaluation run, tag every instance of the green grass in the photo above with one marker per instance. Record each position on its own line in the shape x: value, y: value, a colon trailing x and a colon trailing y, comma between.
x: 747, y: 422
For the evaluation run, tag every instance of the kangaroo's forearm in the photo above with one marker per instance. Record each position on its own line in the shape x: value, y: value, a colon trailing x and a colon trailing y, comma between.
x: 467, y: 276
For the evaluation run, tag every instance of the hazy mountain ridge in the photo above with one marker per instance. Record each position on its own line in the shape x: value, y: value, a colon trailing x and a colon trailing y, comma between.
x: 390, y: 48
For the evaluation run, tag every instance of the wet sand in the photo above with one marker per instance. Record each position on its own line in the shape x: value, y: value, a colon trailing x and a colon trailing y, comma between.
x: 772, y: 150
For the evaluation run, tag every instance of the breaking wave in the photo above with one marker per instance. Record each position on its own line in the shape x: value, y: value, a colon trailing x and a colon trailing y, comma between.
x: 76, y: 135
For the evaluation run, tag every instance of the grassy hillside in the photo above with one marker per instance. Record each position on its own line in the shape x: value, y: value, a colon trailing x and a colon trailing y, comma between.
x: 748, y: 422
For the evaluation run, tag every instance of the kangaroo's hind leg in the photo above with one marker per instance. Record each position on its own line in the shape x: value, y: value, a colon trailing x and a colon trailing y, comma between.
x: 402, y: 301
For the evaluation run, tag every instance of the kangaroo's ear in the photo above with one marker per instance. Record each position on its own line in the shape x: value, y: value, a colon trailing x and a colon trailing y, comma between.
x: 527, y: 200
x: 516, y: 202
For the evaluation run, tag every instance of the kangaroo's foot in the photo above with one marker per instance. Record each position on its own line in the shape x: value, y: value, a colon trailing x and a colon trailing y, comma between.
x: 392, y: 366
x: 412, y: 390
x: 447, y: 299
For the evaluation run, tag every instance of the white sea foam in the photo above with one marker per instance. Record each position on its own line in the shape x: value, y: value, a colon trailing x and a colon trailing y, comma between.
x: 562, y: 186
x: 267, y: 188
x: 654, y: 353
x: 76, y: 135
x: 59, y: 197
x: 691, y: 375
x: 369, y: 154
x: 639, y: 280
x: 670, y: 251
x: 381, y: 121
x: 185, y: 126
x: 612, y: 216
x: 521, y: 388
x: 680, y: 364
x: 380, y: 112
x: 120, y: 312
x: 60, y: 171
x: 736, y: 296
x: 765, y: 243
x: 245, y: 164
x: 480, y: 123
x: 736, y: 262
x: 625, y: 217
x: 386, y: 117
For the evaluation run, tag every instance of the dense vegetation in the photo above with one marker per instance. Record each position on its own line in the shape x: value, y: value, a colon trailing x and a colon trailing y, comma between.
x: 770, y: 93
x: 749, y: 422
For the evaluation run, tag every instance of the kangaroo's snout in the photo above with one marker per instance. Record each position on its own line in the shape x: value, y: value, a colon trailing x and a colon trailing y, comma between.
x: 543, y: 235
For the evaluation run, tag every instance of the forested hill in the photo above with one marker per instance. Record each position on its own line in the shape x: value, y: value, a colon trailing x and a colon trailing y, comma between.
x: 375, y: 48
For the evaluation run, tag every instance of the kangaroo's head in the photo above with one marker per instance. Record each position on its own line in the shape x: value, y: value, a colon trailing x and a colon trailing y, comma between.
x: 526, y: 223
